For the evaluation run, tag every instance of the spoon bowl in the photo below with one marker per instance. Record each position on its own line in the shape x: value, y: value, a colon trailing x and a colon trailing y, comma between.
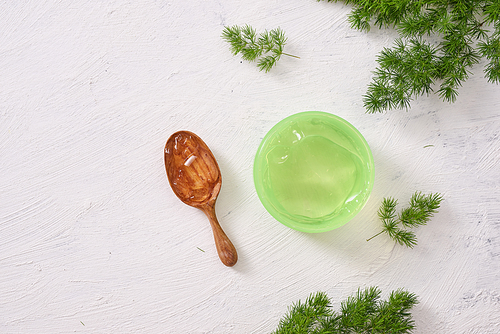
x: 195, y: 178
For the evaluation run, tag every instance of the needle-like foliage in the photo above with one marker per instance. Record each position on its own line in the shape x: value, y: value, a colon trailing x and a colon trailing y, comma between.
x: 266, y: 48
x: 363, y: 312
x: 440, y: 41
x: 419, y: 212
x: 304, y: 317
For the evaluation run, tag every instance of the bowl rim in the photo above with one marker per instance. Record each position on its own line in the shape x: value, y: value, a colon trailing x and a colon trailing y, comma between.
x: 259, y: 156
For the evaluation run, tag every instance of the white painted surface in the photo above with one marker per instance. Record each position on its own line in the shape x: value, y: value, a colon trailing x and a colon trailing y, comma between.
x: 93, y: 240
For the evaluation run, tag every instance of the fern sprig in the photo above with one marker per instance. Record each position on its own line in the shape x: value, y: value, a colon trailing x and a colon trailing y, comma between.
x: 465, y: 31
x: 303, y: 317
x: 420, y: 210
x: 363, y: 312
x: 265, y: 48
x: 395, y: 313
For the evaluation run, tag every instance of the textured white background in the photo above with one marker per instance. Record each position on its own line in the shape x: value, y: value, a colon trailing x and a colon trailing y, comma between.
x: 93, y: 240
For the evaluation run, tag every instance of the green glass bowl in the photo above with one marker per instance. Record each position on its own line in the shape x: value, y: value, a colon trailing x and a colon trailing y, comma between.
x: 313, y: 171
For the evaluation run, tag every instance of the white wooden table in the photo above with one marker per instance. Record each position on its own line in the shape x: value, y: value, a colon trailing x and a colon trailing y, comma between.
x: 92, y: 238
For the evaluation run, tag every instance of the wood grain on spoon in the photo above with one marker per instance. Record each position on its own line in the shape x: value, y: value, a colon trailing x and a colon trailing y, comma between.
x: 195, y: 178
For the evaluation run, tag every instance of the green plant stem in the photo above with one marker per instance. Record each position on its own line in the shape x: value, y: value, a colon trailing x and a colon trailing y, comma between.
x: 289, y: 55
x: 376, y: 235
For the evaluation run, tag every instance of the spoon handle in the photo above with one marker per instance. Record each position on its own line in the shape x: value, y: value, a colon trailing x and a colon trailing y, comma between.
x: 225, y: 249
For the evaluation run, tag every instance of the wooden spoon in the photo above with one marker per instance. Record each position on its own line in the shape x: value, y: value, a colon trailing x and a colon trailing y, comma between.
x: 195, y: 178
